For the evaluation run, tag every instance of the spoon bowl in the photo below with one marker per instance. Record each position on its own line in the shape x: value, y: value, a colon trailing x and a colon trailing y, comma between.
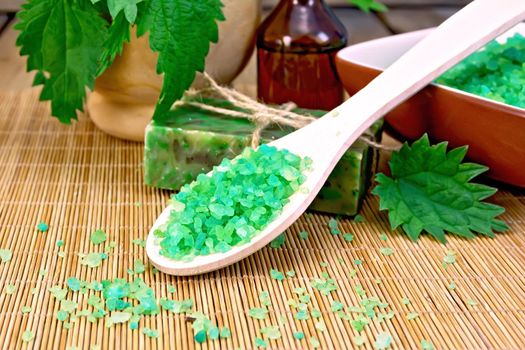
x: 326, y: 139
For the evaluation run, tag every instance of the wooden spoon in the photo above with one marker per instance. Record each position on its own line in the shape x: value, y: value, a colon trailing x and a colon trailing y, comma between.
x: 326, y: 139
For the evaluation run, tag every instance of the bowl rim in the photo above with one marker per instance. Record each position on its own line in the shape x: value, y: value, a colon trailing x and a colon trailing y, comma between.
x: 344, y: 54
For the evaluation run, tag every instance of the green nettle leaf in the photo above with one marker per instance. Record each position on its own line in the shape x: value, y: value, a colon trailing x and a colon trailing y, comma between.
x: 119, y: 33
x: 430, y: 191
x: 63, y: 40
x: 369, y: 5
x: 181, y: 32
x: 129, y: 7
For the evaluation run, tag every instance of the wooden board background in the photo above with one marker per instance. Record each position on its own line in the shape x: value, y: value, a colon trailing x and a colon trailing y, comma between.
x: 78, y: 179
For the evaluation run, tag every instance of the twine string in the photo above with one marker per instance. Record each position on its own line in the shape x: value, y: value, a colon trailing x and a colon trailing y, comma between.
x: 259, y: 114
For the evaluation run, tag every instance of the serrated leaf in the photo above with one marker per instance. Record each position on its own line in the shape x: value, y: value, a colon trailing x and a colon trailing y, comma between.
x: 118, y: 35
x: 181, y: 32
x: 127, y: 7
x: 369, y: 5
x: 63, y: 40
x: 430, y: 191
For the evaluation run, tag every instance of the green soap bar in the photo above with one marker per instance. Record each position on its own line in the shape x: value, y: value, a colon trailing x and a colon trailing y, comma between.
x: 347, y: 184
x: 193, y: 140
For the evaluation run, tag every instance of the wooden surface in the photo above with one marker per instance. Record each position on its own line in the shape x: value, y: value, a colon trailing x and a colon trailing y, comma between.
x: 78, y: 179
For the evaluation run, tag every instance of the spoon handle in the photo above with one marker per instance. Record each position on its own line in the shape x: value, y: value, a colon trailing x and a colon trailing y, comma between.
x: 456, y: 38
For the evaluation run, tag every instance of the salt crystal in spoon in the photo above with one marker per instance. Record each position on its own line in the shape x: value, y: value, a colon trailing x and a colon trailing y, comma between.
x: 326, y: 139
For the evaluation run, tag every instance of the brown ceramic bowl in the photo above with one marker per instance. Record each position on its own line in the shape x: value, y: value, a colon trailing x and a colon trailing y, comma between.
x: 495, y: 132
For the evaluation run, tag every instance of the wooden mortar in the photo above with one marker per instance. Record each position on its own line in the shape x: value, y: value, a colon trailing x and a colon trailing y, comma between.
x: 124, y: 97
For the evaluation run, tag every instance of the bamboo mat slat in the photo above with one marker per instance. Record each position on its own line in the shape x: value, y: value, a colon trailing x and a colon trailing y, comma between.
x: 77, y: 179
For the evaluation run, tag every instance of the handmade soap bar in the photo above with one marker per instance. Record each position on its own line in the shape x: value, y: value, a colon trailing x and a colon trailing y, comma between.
x: 194, y: 140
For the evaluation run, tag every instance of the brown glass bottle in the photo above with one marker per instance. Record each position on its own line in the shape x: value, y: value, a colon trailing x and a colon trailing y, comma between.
x: 296, y: 48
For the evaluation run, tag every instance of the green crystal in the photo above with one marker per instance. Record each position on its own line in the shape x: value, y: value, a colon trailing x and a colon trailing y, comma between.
x: 5, y: 255
x: 314, y: 342
x: 213, y: 332
x: 301, y: 315
x: 276, y: 275
x: 298, y: 335
x: 152, y: 333
x: 42, y: 227
x: 278, y: 242
x: 200, y: 337
x: 225, y: 332
x: 496, y: 72
x: 138, y: 266
x: 348, y: 237
x: 271, y: 332
x: 28, y: 336
x: 185, y: 305
x: 58, y: 292
x: 134, y: 322
x: 336, y: 306
x: 258, y: 313
x: 264, y: 298
x: 73, y: 283
x: 194, y: 140
x: 62, y: 315
x: 98, y: 237
x: 120, y: 317
x: 92, y: 259
x: 68, y: 305
x: 261, y: 343
x: 315, y: 313
x: 177, y: 306
x: 232, y: 205
x: 383, y: 341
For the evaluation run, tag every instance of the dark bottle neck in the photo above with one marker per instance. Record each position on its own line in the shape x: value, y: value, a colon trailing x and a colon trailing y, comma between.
x: 304, y: 2
x: 302, y: 26
x: 302, y: 5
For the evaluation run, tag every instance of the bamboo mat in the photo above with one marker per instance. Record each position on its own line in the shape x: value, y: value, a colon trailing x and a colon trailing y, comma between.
x: 77, y: 179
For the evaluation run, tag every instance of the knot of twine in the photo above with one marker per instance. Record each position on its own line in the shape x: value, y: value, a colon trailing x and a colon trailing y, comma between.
x: 259, y: 114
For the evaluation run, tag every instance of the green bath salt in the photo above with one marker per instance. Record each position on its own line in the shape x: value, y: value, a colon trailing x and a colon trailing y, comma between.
x: 192, y: 140
x: 497, y: 72
x: 233, y: 204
